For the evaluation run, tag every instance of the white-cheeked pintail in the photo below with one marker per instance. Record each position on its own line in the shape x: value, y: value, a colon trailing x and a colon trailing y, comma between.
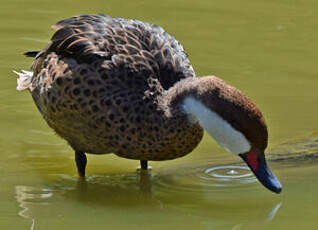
x: 111, y: 85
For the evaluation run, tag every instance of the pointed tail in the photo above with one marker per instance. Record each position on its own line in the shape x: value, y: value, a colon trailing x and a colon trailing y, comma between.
x: 31, y: 53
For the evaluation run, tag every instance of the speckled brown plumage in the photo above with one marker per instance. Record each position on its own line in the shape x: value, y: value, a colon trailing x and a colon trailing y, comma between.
x: 110, y: 85
x: 99, y: 82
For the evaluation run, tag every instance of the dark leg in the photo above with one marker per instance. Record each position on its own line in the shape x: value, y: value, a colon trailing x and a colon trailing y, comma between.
x: 144, y: 165
x: 81, y: 161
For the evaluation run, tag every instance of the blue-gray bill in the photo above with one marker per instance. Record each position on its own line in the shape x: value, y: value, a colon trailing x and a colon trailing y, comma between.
x: 257, y: 163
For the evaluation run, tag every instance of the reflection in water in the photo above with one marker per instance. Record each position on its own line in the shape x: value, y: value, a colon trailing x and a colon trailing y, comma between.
x: 139, y: 192
x: 26, y: 196
x: 130, y: 190
x: 274, y: 211
x: 207, y: 191
x: 217, y: 192
x: 253, y: 44
x: 137, y: 188
x: 224, y: 190
x: 207, y: 177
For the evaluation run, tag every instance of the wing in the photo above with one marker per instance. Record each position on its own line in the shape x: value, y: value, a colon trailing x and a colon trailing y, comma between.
x: 129, y: 44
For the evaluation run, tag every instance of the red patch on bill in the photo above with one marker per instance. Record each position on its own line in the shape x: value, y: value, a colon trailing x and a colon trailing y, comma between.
x: 252, y: 159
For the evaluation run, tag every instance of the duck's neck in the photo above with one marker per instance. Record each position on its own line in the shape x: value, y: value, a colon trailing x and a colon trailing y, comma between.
x: 222, y: 131
x: 189, y: 97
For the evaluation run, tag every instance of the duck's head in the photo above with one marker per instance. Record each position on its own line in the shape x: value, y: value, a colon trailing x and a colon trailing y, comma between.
x: 234, y: 121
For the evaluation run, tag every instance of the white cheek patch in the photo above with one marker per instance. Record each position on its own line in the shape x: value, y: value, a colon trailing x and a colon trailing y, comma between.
x: 229, y: 138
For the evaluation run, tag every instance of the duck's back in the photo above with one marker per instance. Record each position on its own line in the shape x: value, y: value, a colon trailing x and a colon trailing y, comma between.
x: 131, y: 45
x: 99, y: 80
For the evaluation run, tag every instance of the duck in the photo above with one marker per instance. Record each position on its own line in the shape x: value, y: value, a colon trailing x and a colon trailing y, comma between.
x: 126, y: 87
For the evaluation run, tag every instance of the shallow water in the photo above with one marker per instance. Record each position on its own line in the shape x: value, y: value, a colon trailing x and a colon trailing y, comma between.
x: 265, y: 48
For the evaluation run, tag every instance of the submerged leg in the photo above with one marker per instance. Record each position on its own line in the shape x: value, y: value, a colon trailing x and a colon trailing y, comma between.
x: 81, y: 161
x: 144, y: 165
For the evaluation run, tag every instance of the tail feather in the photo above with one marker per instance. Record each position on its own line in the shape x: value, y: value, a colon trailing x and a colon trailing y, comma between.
x: 25, y: 80
x: 31, y: 53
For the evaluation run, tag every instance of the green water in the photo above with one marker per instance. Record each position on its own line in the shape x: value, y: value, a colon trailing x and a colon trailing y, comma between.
x: 265, y: 48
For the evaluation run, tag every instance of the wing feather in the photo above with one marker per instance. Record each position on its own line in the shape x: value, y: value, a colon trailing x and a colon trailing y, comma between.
x: 136, y: 44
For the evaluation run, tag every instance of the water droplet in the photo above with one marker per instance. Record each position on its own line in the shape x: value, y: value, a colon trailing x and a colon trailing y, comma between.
x: 232, y: 172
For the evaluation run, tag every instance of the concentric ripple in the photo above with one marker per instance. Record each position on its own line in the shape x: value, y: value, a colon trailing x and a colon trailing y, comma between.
x: 229, y: 174
x: 212, y: 178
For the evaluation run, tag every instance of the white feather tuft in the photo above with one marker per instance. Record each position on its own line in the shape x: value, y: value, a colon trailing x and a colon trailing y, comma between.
x: 24, y: 80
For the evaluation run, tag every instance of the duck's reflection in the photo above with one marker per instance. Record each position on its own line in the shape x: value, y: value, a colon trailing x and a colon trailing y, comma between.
x: 25, y: 196
x: 130, y: 194
x: 115, y: 190
x: 274, y: 211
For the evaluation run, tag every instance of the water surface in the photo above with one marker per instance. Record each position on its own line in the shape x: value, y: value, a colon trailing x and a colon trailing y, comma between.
x: 265, y: 48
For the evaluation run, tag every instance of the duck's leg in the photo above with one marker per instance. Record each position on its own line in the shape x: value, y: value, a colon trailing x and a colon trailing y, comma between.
x: 144, y: 164
x: 81, y: 162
